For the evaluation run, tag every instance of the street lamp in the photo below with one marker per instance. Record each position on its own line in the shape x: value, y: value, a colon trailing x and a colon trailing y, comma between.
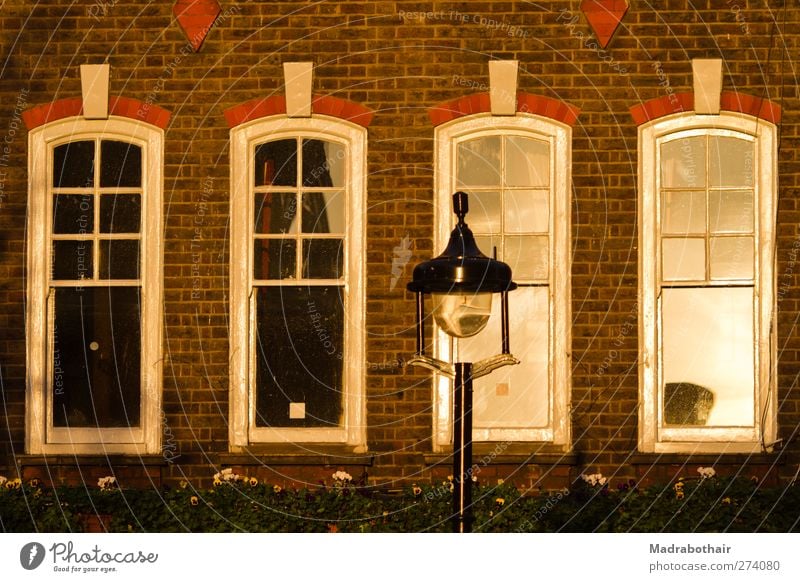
x: 461, y: 282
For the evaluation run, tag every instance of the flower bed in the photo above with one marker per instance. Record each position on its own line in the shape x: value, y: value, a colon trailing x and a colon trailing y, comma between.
x: 237, y: 503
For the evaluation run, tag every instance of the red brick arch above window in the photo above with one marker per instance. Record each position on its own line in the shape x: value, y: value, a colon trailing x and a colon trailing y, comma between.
x: 729, y: 101
x: 320, y: 104
x: 526, y: 103
x: 119, y: 106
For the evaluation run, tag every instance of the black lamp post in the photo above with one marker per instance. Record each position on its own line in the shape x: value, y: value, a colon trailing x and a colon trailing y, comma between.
x: 461, y: 282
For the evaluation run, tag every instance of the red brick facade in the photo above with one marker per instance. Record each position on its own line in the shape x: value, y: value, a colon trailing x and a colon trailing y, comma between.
x: 399, y: 69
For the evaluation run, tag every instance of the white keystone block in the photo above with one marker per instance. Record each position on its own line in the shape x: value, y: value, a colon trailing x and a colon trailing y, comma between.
x: 94, y: 90
x: 707, y: 85
x: 297, y: 79
x: 503, y: 87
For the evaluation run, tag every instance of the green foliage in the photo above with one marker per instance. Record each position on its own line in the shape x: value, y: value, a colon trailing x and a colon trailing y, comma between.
x: 700, y: 505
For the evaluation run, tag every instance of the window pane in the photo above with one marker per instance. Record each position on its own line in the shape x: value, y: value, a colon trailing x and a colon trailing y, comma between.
x: 683, y: 163
x: 276, y: 163
x: 708, y: 342
x: 323, y: 212
x: 72, y: 259
x: 527, y: 211
x: 730, y: 211
x: 684, y: 213
x: 274, y: 259
x: 487, y: 245
x: 527, y: 162
x: 684, y: 259
x: 485, y: 209
x: 73, y: 165
x: 730, y: 162
x: 276, y: 213
x: 527, y: 257
x: 732, y: 257
x: 73, y: 214
x: 119, y: 259
x: 120, y: 165
x: 96, y: 357
x: 120, y: 213
x: 324, y: 163
x: 323, y: 258
x: 514, y: 396
x: 299, y: 356
x: 479, y: 162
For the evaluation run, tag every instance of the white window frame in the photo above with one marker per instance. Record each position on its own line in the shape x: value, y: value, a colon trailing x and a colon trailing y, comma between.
x: 41, y: 437
x: 652, y: 436
x: 243, y: 431
x: 559, y: 136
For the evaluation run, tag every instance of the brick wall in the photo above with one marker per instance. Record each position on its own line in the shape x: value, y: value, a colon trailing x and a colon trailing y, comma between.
x: 388, y: 57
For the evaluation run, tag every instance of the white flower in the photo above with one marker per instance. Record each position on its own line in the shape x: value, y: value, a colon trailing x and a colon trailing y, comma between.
x: 226, y: 475
x: 595, y: 479
x: 342, y: 476
x: 106, y: 482
x: 706, y: 472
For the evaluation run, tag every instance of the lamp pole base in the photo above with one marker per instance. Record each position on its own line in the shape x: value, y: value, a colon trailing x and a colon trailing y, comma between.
x: 462, y: 448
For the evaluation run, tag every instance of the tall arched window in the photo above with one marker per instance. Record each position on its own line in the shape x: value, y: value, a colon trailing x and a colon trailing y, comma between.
x: 516, y: 171
x: 297, y: 281
x: 94, y: 288
x: 707, y: 231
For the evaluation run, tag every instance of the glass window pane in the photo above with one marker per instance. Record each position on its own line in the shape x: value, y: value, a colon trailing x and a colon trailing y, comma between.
x: 527, y: 257
x: 72, y: 259
x: 684, y: 213
x: 683, y: 163
x: 323, y: 258
x: 732, y: 257
x: 324, y: 212
x: 487, y: 245
x: 73, y: 214
x: 96, y: 357
x: 299, y: 356
x: 119, y: 259
x: 73, y: 165
x: 683, y: 259
x: 276, y: 163
x: 514, y: 396
x: 478, y: 162
x: 324, y: 163
x: 730, y: 162
x: 527, y: 211
x: 120, y: 213
x: 485, y: 210
x: 730, y: 211
x: 276, y: 213
x: 274, y: 259
x: 527, y: 162
x: 708, y: 343
x: 120, y: 164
